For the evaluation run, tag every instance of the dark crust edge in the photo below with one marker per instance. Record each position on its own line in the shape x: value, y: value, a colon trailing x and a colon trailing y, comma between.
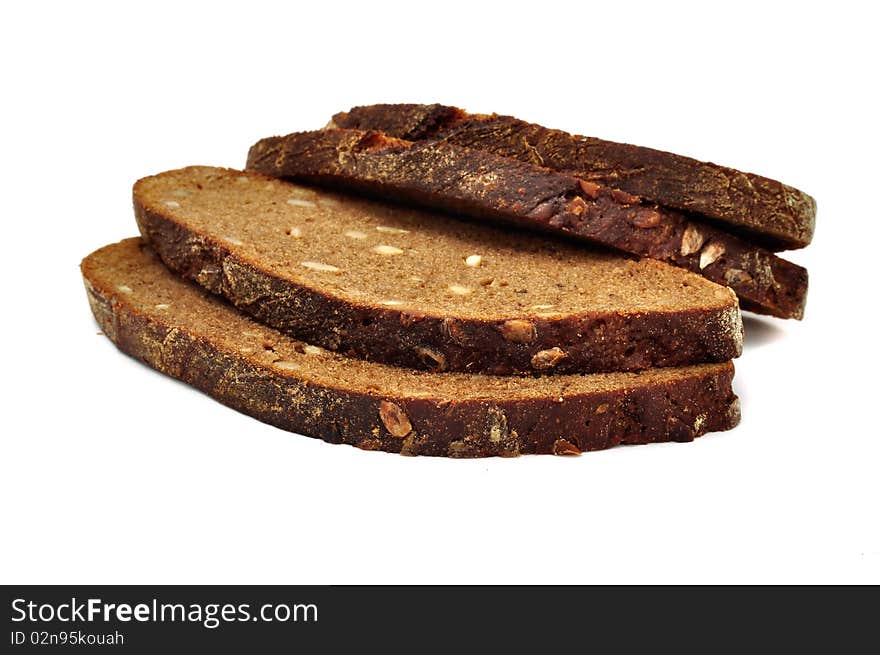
x: 593, y: 342
x: 679, y: 410
x: 483, y: 185
x: 769, y: 212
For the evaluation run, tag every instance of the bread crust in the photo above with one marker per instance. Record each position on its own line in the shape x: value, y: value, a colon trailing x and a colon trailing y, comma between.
x: 768, y: 212
x: 441, y: 175
x: 450, y: 425
x: 592, y: 341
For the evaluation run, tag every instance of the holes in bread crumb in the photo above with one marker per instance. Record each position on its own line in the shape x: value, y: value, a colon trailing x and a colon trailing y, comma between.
x: 366, y: 321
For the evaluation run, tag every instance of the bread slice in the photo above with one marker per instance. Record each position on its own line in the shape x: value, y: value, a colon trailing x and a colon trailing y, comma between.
x: 770, y: 212
x: 180, y: 330
x: 403, y: 287
x: 439, y: 175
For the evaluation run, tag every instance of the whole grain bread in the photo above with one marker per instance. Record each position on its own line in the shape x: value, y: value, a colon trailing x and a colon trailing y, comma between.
x: 769, y: 212
x: 180, y: 330
x: 480, y: 184
x: 404, y: 287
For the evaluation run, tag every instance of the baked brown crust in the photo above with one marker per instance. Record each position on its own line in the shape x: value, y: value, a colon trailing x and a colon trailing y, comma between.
x: 768, y: 212
x: 592, y: 341
x: 178, y: 329
x: 473, y: 182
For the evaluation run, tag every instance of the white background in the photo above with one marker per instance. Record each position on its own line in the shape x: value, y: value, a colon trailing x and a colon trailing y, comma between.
x: 111, y: 473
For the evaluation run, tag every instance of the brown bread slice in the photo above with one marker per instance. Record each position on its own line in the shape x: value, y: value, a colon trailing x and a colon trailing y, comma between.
x: 180, y: 330
x: 769, y: 212
x: 437, y: 174
x: 409, y: 288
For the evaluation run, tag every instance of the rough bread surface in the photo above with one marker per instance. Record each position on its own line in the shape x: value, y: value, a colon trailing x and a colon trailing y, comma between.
x: 404, y: 287
x: 179, y: 329
x: 772, y: 213
x: 483, y: 185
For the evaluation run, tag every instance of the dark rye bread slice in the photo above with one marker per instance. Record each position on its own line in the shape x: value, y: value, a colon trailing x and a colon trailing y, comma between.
x: 440, y: 175
x: 400, y: 286
x: 180, y: 330
x: 774, y: 214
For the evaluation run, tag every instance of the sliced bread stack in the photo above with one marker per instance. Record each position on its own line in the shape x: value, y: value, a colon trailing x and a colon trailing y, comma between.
x: 381, y: 301
x: 723, y: 224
